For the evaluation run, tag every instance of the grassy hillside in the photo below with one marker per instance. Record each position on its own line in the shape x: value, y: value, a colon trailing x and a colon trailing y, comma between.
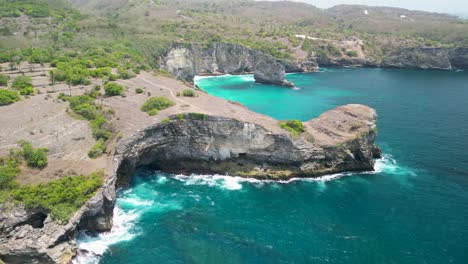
x: 149, y: 26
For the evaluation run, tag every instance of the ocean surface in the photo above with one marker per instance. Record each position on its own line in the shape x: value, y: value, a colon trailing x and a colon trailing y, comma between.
x: 412, y: 209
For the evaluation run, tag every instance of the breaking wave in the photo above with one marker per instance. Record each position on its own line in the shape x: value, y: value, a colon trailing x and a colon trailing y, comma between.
x: 92, y: 247
x: 132, y: 203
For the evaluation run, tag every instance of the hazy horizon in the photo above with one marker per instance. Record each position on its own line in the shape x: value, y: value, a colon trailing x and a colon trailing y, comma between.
x: 458, y: 7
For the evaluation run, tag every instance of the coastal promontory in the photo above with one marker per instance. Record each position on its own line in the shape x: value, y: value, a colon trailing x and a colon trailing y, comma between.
x: 194, y: 133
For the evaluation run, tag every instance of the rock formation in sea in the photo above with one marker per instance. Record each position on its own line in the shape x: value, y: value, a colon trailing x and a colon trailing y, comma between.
x: 187, y: 61
x: 339, y: 140
x: 269, y: 71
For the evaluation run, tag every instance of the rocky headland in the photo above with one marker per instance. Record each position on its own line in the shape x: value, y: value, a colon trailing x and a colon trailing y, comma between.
x: 202, y: 134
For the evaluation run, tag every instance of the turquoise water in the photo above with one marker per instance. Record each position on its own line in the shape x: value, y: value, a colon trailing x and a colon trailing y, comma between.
x: 413, y: 209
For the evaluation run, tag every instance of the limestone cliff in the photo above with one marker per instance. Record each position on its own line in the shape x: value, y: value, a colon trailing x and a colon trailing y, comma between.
x: 271, y: 72
x: 427, y: 58
x: 339, y: 140
x: 418, y: 58
x: 186, y: 61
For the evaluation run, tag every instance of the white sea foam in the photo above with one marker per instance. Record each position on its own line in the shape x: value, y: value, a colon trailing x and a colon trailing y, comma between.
x: 387, y: 164
x: 91, y: 248
x: 135, y: 201
x: 162, y: 179
x: 247, y: 78
x: 235, y: 182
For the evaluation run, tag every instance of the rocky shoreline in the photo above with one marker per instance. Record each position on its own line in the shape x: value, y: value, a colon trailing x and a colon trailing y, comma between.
x: 187, y: 61
x: 339, y: 140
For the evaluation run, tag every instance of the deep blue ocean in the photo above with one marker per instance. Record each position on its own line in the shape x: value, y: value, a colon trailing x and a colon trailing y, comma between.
x: 412, y: 209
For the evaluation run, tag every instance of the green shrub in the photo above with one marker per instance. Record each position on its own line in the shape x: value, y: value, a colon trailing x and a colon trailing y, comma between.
x: 8, y: 97
x: 295, y: 127
x: 22, y: 82
x: 26, y: 91
x: 139, y: 90
x: 4, y: 80
x: 153, y: 112
x: 197, y: 116
x: 84, y: 106
x: 101, y: 72
x: 351, y: 53
x: 9, y: 169
x: 180, y: 117
x: 35, y: 158
x: 102, y: 134
x: 125, y: 74
x: 98, y: 149
x: 73, y: 72
x: 112, y: 77
x: 57, y: 76
x: 113, y: 89
x: 86, y: 110
x: 61, y: 198
x: 189, y: 93
x: 333, y: 50
x: 156, y: 103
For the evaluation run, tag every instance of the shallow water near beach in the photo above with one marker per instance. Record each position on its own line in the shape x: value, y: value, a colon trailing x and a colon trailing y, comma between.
x: 412, y: 209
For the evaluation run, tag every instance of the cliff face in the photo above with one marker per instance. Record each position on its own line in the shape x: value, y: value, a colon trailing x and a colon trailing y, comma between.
x: 211, y: 144
x: 428, y: 58
x: 339, y: 140
x: 325, y: 61
x: 186, y: 61
x: 459, y: 58
x: 271, y: 72
x: 419, y: 58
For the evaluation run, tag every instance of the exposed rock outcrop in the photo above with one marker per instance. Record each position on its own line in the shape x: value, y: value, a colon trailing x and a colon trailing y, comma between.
x: 339, y: 140
x: 459, y: 58
x: 419, y: 58
x: 325, y: 61
x: 186, y: 61
x: 427, y: 58
x: 271, y: 72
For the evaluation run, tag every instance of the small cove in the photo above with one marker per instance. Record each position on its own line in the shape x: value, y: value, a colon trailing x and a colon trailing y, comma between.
x: 413, y: 209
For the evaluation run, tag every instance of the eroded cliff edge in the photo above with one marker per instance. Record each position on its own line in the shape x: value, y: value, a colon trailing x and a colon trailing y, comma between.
x: 203, y: 134
x: 185, y: 61
x: 339, y: 140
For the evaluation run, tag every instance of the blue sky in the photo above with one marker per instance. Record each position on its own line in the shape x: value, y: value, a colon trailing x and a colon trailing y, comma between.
x: 441, y: 6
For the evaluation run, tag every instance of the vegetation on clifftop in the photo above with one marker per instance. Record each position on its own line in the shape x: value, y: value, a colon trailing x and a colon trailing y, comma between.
x: 35, y: 158
x: 8, y: 97
x: 98, y: 116
x: 61, y: 198
x: 153, y: 105
x: 295, y: 127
